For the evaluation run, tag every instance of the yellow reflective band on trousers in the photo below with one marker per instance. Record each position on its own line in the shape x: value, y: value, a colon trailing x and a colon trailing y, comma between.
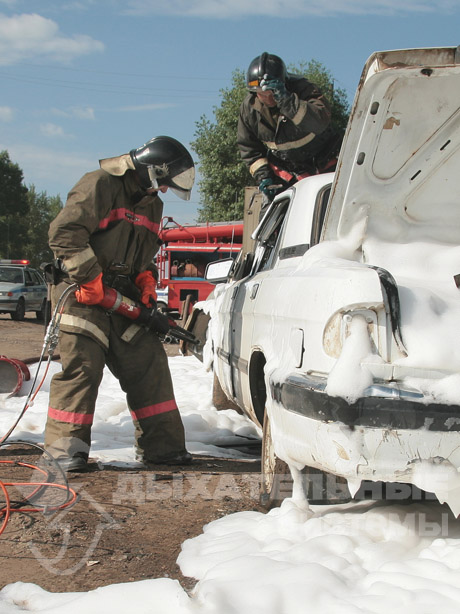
x: 84, y: 325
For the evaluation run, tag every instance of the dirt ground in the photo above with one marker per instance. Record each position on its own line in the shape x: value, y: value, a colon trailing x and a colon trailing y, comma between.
x: 126, y: 525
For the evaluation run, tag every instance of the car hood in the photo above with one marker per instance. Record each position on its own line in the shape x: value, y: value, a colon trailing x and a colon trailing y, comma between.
x: 395, y: 198
x: 401, y: 152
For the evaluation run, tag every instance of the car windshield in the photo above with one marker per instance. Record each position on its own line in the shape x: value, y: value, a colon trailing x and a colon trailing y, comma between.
x: 11, y: 275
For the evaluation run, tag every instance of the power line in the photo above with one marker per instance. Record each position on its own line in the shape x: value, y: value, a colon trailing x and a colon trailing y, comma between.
x: 144, y: 76
x: 108, y: 88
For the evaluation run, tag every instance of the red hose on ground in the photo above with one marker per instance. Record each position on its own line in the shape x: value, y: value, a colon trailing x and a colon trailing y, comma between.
x: 7, y: 510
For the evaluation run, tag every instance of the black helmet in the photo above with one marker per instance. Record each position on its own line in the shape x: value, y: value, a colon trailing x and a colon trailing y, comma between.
x: 265, y: 64
x: 165, y: 161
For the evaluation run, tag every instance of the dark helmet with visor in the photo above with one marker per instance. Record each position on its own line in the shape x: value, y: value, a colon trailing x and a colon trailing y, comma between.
x: 265, y: 64
x: 163, y: 161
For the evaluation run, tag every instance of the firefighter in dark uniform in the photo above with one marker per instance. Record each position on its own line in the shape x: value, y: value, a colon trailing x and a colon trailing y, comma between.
x: 284, y: 127
x: 107, y: 233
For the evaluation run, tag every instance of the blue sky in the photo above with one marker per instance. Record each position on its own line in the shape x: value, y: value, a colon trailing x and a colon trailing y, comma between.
x: 87, y: 79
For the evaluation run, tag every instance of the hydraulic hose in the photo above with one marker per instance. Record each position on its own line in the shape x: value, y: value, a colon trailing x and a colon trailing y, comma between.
x: 49, y: 344
x: 113, y: 302
x: 38, y: 487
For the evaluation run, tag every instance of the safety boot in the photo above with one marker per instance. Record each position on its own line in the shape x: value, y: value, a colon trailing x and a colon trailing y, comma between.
x: 182, y: 458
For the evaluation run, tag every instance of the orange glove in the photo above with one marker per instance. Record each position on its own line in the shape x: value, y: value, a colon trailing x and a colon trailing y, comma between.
x: 146, y: 283
x: 91, y: 293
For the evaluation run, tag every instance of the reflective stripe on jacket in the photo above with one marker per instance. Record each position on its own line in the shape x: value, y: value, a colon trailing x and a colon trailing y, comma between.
x: 106, y: 220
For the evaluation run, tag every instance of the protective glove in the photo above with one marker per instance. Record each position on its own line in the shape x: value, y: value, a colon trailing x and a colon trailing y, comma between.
x: 264, y: 187
x: 146, y: 283
x: 280, y: 93
x: 91, y: 293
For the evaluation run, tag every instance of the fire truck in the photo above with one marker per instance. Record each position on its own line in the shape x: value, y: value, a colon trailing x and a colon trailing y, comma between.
x: 182, y: 259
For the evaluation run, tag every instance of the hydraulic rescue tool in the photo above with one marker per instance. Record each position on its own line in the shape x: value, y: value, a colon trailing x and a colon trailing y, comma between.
x: 113, y: 302
x: 150, y: 318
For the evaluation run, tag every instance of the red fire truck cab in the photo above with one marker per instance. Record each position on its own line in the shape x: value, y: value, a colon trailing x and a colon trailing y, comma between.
x: 183, y: 257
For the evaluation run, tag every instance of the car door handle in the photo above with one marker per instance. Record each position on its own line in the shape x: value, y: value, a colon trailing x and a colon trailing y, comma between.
x: 254, y: 290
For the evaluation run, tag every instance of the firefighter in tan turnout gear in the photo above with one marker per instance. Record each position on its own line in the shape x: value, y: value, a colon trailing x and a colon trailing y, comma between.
x: 107, y: 234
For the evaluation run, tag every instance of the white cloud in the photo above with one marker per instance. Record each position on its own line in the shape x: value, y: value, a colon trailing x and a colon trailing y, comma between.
x: 52, y: 130
x: 27, y: 36
x: 60, y: 112
x: 78, y: 112
x: 83, y: 112
x: 6, y: 114
x: 285, y: 8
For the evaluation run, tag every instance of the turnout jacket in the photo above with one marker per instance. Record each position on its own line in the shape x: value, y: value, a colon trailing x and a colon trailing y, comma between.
x: 107, y: 220
x: 297, y: 136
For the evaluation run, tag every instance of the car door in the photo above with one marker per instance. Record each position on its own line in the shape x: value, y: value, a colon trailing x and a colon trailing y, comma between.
x: 29, y: 291
x: 236, y: 310
x: 278, y: 314
x: 34, y: 290
x: 41, y: 290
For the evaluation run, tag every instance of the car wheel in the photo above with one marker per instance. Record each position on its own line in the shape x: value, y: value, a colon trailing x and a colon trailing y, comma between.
x: 320, y: 488
x: 41, y: 314
x: 20, y: 311
x: 276, y: 480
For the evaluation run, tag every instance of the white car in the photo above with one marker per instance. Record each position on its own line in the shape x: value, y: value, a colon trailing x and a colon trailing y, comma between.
x: 22, y: 289
x: 340, y: 334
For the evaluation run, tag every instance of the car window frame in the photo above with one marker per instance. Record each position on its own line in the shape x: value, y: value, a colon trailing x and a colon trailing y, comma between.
x: 319, y: 214
x: 37, y: 278
x: 265, y: 251
x: 275, y: 221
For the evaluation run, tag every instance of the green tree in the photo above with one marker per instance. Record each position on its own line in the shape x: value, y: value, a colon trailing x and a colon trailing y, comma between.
x: 14, y: 207
x: 315, y: 72
x: 223, y: 175
x: 42, y: 210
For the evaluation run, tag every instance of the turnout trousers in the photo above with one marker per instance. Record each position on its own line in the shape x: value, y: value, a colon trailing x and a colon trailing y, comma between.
x: 142, y: 370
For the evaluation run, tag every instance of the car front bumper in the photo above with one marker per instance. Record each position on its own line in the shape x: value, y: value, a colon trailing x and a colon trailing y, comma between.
x: 7, y: 305
x: 384, y: 406
x: 381, y: 439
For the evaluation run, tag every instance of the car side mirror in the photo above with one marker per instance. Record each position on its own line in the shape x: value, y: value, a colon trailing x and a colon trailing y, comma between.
x: 217, y: 272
